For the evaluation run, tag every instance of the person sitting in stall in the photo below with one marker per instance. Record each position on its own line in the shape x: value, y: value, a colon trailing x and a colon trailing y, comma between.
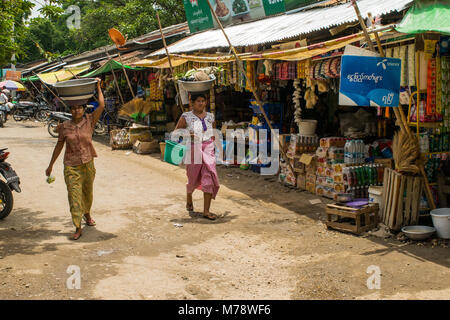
x: 203, y: 175
x: 4, y: 99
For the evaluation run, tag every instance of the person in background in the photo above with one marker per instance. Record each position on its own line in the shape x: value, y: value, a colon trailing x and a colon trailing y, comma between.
x: 202, y: 176
x: 4, y: 99
x: 79, y: 169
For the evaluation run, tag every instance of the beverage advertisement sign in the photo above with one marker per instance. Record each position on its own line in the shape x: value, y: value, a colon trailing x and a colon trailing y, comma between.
x: 370, y: 81
x: 228, y: 11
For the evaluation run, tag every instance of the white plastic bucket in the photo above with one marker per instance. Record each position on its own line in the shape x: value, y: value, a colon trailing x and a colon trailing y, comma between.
x: 441, y: 221
x: 376, y: 196
x: 307, y: 127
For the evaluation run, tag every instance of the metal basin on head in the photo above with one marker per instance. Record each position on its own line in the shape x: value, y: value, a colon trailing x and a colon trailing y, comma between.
x: 76, y: 89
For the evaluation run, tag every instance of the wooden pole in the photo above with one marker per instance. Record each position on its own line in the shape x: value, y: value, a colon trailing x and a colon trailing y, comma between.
x: 363, y: 25
x: 252, y: 89
x: 399, y: 114
x: 33, y: 96
x: 170, y: 63
x: 377, y: 38
x: 65, y: 105
x: 115, y: 79
x: 125, y: 72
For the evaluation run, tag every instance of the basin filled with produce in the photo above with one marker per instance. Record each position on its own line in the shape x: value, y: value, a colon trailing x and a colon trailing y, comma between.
x: 198, y: 80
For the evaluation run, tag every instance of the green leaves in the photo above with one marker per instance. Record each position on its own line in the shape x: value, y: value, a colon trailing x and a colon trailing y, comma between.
x: 131, y: 17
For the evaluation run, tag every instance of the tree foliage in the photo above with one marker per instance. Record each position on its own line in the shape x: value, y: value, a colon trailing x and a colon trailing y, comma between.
x: 132, y: 17
x: 12, y: 16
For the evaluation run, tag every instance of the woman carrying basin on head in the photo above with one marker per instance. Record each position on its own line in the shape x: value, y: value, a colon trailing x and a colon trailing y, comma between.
x: 201, y: 175
x: 79, y: 170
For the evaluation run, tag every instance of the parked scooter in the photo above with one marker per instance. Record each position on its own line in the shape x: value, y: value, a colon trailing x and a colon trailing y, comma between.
x: 27, y: 110
x: 54, y: 119
x: 6, y: 188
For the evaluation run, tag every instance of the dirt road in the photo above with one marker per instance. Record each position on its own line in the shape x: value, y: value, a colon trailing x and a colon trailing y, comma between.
x: 269, y: 243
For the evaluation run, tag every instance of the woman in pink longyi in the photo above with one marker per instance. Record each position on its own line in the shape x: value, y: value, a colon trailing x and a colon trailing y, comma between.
x: 202, y: 173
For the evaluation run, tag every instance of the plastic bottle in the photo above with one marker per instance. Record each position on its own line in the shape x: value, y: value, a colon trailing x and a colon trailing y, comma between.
x: 347, y: 152
x: 352, y: 152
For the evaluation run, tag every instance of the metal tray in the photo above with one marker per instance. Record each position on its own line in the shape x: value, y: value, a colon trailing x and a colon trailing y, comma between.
x: 418, y: 232
x: 197, y: 86
x: 76, y: 89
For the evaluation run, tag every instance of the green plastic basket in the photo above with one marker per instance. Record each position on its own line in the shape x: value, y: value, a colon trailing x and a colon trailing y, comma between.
x: 174, y: 152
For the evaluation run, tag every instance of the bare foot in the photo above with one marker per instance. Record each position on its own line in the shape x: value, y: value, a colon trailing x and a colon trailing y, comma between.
x: 189, y: 207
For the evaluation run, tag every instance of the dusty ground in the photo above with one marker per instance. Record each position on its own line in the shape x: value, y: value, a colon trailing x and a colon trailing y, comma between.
x: 269, y: 244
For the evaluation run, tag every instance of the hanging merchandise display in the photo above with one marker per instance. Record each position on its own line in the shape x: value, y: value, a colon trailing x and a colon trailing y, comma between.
x: 296, y: 100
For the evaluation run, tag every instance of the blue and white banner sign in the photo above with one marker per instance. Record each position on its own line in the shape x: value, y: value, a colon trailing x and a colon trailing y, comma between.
x: 370, y: 81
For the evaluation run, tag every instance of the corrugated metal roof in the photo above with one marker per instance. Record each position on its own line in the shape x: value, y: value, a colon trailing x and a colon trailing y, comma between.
x: 284, y: 26
x: 177, y: 29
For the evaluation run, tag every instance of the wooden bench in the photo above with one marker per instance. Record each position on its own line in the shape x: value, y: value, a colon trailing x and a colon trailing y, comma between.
x: 357, y: 221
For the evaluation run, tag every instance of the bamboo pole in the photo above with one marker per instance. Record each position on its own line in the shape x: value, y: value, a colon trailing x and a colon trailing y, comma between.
x: 115, y: 79
x: 377, y: 38
x: 170, y: 63
x: 65, y: 105
x: 252, y: 89
x: 125, y: 72
x: 397, y: 110
x: 33, y: 96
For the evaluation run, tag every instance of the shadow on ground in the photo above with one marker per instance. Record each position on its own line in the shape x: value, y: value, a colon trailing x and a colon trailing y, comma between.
x: 34, y: 233
x: 269, y: 190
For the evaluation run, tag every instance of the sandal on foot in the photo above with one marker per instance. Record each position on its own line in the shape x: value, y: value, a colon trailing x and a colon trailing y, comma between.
x: 76, y: 236
x: 190, y: 207
x: 210, y: 216
x: 90, y: 222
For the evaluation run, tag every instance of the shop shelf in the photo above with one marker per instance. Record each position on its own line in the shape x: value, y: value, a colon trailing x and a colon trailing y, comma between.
x: 431, y: 153
x: 426, y: 124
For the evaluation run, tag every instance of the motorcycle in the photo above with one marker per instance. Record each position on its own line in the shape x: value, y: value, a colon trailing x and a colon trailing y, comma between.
x: 12, y: 184
x: 26, y: 110
x: 55, y: 118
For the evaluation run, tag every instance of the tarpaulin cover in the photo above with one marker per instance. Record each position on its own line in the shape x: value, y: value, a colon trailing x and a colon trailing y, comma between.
x: 161, y: 63
x: 295, y: 54
x: 108, y: 67
x: 61, y: 75
x: 427, y: 15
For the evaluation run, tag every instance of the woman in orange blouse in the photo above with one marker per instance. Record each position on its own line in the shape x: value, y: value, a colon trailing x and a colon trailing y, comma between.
x: 79, y: 170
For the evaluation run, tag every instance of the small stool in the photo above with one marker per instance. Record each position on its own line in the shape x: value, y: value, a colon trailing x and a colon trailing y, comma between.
x: 357, y: 221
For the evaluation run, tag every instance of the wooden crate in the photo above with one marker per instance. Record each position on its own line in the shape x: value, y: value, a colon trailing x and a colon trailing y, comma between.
x: 352, y: 220
x: 401, y: 199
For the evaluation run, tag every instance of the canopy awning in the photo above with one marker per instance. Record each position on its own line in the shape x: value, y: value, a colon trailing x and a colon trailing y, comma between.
x: 32, y: 78
x: 295, y: 54
x: 108, y: 67
x: 67, y: 73
x: 160, y: 63
x: 425, y: 16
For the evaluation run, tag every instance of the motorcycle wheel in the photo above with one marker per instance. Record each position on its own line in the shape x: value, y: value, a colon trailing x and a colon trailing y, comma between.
x: 42, y: 116
x: 2, y: 118
x: 100, y: 128
x: 17, y: 115
x: 6, y: 200
x: 51, y: 128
